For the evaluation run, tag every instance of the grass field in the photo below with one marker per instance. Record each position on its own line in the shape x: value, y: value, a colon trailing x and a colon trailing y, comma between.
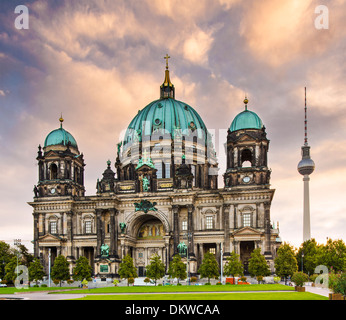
x: 12, y: 290
x: 168, y: 289
x: 232, y: 292
x: 211, y: 296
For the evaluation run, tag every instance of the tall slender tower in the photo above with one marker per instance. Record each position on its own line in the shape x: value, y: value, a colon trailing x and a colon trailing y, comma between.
x: 306, y: 166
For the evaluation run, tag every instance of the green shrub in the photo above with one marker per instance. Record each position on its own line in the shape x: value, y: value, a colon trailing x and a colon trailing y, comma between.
x: 43, y: 286
x: 337, y: 282
x: 178, y: 284
x: 299, y: 278
x: 116, y: 282
x: 193, y: 279
x: 207, y: 284
x: 146, y: 280
x: 228, y: 283
x: 219, y: 284
x: 243, y: 279
x: 277, y: 279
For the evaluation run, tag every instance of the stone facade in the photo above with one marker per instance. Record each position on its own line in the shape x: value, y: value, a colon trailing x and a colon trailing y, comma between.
x: 144, y: 207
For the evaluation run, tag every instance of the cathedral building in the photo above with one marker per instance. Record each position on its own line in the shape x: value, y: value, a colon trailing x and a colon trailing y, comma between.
x: 163, y: 195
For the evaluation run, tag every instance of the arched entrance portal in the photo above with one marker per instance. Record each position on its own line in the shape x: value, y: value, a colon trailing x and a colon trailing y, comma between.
x: 148, y: 236
x: 246, y: 248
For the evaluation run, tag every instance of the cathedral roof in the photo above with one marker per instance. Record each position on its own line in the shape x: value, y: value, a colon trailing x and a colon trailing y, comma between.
x: 246, y: 120
x: 165, y: 116
x: 60, y: 137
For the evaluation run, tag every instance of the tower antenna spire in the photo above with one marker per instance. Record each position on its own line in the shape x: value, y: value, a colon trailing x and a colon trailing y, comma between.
x: 306, y: 123
x: 306, y: 166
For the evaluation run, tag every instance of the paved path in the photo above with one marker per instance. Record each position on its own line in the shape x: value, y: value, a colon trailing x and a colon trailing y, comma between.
x: 318, y: 290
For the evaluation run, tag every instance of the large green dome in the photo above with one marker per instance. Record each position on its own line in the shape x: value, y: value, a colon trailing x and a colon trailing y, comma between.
x: 60, y: 137
x: 165, y: 115
x: 246, y: 120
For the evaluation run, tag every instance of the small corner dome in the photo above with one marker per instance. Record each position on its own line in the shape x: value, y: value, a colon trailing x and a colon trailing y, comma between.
x: 60, y: 137
x: 246, y: 120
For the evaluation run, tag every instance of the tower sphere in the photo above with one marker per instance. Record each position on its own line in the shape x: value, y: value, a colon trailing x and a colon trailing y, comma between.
x: 306, y: 166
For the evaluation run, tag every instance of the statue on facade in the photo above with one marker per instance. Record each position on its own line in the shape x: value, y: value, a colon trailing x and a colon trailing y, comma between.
x: 104, y: 250
x: 36, y: 191
x: 182, y: 248
x: 145, y: 206
x: 145, y: 184
x: 122, y: 227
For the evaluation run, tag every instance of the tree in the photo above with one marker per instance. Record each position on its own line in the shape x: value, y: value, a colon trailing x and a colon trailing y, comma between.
x: 36, y: 271
x: 5, y: 256
x: 258, y: 266
x: 82, y: 270
x: 177, y: 268
x: 333, y: 255
x: 60, y: 270
x: 26, y: 257
x: 311, y: 250
x: 285, y: 262
x: 209, y: 267
x: 11, y: 269
x: 156, y: 269
x: 127, y: 269
x: 233, y: 266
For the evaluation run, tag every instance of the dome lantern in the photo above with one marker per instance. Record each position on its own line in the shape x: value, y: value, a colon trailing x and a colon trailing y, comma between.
x: 167, y: 89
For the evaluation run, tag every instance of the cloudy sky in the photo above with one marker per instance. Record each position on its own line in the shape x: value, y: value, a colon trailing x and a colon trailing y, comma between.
x: 99, y: 62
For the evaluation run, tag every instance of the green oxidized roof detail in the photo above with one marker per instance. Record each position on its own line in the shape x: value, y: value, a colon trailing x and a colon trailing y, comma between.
x: 165, y: 115
x: 60, y: 137
x: 246, y: 120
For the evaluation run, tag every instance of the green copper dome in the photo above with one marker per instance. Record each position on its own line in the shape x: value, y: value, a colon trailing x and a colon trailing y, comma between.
x: 165, y: 116
x: 60, y: 137
x: 246, y: 120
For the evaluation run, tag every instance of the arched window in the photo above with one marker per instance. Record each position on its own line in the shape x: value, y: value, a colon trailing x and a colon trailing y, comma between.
x: 53, y: 171
x: 246, y: 158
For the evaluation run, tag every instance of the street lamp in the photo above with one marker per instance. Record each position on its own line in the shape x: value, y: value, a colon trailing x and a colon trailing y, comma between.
x: 17, y: 243
x: 221, y: 263
x: 188, y: 236
x: 49, y: 254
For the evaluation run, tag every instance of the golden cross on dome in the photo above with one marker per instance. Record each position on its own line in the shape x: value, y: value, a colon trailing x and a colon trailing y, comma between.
x: 166, y: 57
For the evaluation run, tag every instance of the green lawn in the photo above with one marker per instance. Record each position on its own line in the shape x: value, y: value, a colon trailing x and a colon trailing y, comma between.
x: 12, y: 290
x: 203, y: 288
x: 212, y: 296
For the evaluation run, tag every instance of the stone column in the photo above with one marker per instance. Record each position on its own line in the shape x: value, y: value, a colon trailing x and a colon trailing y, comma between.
x: 225, y: 214
x: 36, y: 232
x: 69, y: 233
x: 175, y: 228
x: 113, y: 249
x: 99, y: 232
x: 190, y: 229
x: 267, y: 227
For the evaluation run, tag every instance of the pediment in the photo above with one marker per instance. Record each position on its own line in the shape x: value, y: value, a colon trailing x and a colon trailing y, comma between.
x: 247, y: 231
x: 145, y: 168
x: 246, y: 137
x: 51, y: 154
x: 49, y: 237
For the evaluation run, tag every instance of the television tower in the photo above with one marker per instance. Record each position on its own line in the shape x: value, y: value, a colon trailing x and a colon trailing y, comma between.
x: 306, y: 166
